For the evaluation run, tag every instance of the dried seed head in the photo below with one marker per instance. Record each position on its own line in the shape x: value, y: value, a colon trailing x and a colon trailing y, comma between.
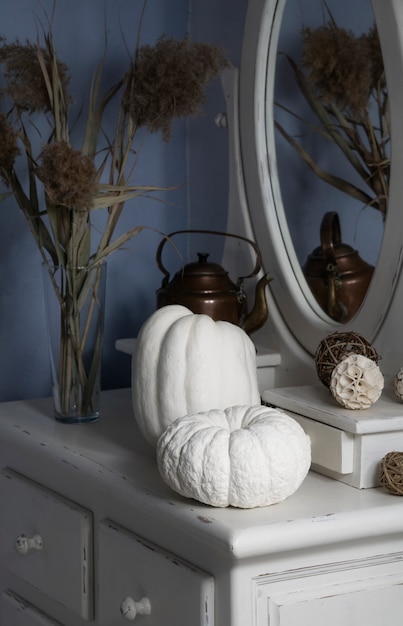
x: 339, y: 66
x: 375, y: 55
x: 24, y: 76
x: 168, y: 80
x: 9, y: 147
x: 68, y: 176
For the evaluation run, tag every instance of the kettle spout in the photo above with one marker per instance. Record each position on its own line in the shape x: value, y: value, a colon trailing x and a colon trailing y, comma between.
x: 259, y: 313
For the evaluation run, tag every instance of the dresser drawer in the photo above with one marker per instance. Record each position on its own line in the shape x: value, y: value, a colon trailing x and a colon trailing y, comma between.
x: 17, y: 612
x: 47, y: 541
x: 367, y: 592
x: 347, y: 445
x: 131, y: 569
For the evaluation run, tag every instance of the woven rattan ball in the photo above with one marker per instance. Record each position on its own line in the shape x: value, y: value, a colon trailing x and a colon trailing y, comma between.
x: 335, y: 348
x: 391, y: 473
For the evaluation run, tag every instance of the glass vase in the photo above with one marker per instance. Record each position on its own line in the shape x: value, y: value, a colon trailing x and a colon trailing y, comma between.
x: 75, y: 304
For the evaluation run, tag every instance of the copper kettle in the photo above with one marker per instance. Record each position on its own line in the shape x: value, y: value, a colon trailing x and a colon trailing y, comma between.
x: 205, y: 287
x: 336, y: 274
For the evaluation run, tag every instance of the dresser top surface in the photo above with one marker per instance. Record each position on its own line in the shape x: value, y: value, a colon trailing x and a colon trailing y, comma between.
x: 114, y: 452
x: 316, y: 402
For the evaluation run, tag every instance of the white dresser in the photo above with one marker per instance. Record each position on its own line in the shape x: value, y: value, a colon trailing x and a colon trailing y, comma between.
x: 91, y: 535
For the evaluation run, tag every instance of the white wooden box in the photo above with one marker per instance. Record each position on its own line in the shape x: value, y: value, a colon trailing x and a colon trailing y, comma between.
x: 347, y: 445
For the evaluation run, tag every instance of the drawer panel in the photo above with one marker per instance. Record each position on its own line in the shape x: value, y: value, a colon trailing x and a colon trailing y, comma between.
x: 17, y: 612
x: 332, y: 448
x: 62, y: 566
x: 347, y: 445
x: 358, y: 593
x: 131, y: 567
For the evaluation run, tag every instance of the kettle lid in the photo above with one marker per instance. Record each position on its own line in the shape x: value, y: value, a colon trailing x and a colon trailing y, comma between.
x: 201, y: 275
x: 203, y: 267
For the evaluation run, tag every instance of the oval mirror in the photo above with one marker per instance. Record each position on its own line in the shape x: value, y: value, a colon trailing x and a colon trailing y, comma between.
x: 283, y: 252
x: 332, y: 140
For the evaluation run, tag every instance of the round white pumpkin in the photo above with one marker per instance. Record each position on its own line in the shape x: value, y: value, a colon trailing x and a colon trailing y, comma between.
x: 185, y: 363
x: 244, y: 456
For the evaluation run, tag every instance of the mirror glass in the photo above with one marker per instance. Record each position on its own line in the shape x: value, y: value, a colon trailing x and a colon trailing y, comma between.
x: 293, y: 304
x: 332, y: 142
x: 283, y: 247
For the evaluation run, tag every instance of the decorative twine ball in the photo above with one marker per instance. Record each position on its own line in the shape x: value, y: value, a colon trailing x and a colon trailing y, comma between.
x: 391, y: 473
x: 336, y: 347
x: 356, y: 382
x: 398, y: 384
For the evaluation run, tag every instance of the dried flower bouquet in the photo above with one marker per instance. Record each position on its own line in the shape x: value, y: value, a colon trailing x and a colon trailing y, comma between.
x: 67, y: 184
x: 342, y: 79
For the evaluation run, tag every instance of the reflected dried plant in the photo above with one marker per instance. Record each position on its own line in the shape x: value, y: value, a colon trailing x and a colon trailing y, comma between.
x: 341, y: 76
x: 338, y: 67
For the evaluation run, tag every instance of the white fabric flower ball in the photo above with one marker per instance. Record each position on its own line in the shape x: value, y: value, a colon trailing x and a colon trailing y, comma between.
x: 398, y: 384
x: 356, y: 382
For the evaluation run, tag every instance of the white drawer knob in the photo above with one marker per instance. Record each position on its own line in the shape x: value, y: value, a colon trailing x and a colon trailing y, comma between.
x: 24, y: 544
x: 129, y: 608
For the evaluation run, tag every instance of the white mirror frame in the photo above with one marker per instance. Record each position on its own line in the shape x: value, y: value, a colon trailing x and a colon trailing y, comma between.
x: 296, y: 305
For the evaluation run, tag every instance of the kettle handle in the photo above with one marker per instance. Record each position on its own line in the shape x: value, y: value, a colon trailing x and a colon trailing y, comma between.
x: 330, y: 234
x: 258, y: 259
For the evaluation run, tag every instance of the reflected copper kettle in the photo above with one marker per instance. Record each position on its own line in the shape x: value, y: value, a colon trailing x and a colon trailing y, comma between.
x: 205, y: 287
x: 337, y: 275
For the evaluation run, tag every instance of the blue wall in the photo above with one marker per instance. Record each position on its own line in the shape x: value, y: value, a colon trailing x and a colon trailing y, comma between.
x: 195, y: 160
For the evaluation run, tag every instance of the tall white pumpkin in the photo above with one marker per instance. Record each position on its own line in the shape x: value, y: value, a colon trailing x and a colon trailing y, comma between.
x: 185, y: 363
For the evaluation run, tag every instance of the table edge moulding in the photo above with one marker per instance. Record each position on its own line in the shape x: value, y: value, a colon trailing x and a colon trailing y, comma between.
x: 108, y: 470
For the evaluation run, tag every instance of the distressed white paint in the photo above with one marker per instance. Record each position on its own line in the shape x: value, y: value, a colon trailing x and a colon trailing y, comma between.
x: 131, y: 566
x: 17, y: 612
x: 215, y: 566
x: 62, y: 566
x: 356, y: 595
